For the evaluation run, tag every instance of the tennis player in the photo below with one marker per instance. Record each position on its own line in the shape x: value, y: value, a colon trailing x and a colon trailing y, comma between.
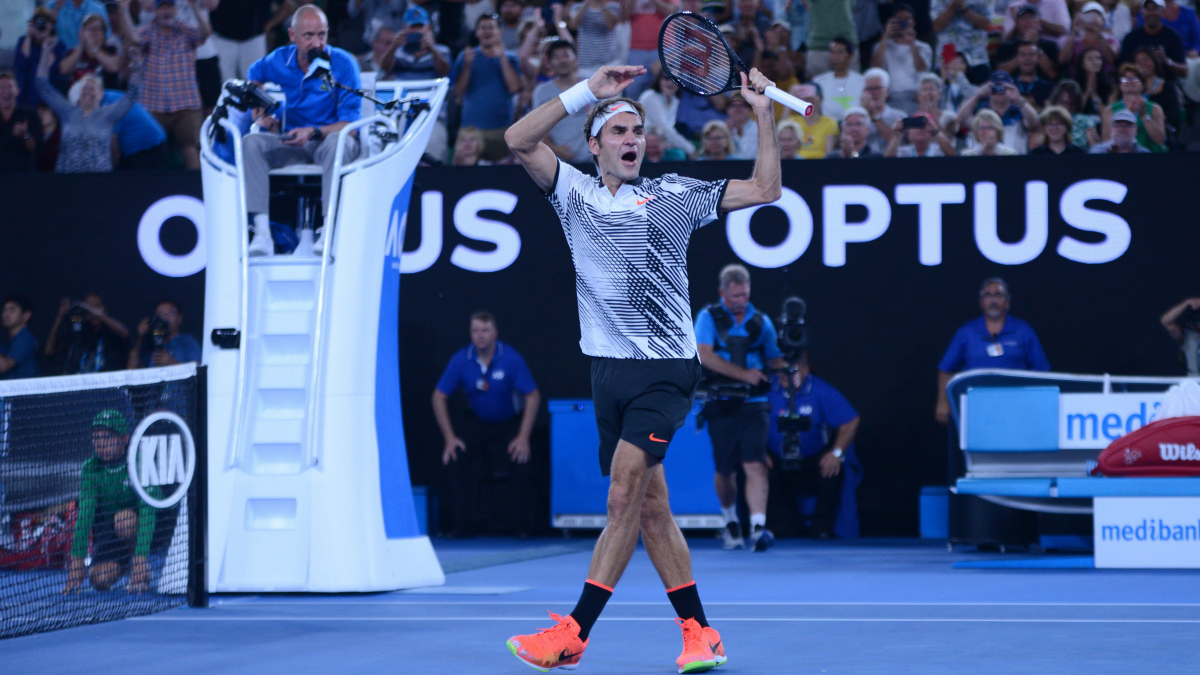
x: 629, y: 237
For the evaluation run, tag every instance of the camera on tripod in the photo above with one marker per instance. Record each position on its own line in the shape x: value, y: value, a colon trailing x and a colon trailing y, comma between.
x: 793, y: 343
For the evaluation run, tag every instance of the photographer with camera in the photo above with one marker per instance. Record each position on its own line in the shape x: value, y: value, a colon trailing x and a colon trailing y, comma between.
x: 903, y: 56
x: 1183, y: 325
x: 315, y: 112
x: 85, y: 339
x: 821, y: 437
x: 736, y: 344
x: 159, y: 342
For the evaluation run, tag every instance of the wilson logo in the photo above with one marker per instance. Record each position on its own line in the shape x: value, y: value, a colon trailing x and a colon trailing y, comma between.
x: 1174, y: 451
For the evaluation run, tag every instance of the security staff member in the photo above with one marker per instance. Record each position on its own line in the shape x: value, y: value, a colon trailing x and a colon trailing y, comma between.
x: 494, y: 434
x: 829, y: 467
x: 736, y: 342
x: 995, y: 340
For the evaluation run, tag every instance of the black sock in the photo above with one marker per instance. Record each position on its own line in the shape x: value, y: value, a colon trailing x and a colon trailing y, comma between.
x: 591, y: 603
x: 686, y: 601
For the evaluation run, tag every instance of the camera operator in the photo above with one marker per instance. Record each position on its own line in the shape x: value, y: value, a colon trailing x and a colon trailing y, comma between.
x: 159, y: 342
x: 829, y: 467
x: 85, y: 339
x: 736, y: 343
x: 1183, y: 325
x: 315, y: 113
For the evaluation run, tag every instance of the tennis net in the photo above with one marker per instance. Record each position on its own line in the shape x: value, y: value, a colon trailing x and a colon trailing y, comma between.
x: 101, y: 497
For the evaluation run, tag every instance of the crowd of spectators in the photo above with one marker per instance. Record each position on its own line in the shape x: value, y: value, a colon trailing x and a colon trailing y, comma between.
x: 85, y: 338
x: 87, y: 85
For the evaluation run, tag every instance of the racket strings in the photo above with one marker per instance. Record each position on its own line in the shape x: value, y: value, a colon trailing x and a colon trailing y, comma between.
x: 694, y: 57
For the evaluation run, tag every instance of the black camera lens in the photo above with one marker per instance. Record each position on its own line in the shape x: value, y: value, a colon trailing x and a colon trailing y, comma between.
x: 41, y: 22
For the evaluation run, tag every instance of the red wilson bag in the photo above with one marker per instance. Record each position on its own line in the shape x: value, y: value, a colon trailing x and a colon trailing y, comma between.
x: 1169, y: 447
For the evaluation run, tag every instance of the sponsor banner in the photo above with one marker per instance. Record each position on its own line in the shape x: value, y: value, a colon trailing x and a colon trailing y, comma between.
x: 1094, y: 421
x: 1147, y: 532
x: 888, y: 254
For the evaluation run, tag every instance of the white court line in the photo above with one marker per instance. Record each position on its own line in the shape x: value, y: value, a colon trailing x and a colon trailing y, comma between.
x: 734, y: 604
x: 606, y: 618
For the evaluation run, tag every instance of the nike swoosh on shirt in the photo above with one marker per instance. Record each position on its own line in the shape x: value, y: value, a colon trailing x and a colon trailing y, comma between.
x: 659, y: 440
x: 643, y: 201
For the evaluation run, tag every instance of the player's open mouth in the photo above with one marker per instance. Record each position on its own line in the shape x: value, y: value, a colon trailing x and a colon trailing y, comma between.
x: 629, y: 157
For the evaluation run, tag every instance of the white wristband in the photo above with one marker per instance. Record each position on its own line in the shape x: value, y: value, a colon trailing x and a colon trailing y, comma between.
x: 577, y: 98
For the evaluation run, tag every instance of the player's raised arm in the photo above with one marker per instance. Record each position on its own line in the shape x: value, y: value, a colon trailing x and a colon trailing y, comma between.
x: 764, y: 186
x: 525, y: 137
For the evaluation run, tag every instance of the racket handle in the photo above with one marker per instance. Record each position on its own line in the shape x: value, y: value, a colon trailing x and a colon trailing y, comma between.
x: 779, y: 96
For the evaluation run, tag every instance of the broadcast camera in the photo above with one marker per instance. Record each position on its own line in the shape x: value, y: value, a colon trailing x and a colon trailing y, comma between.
x: 793, y: 341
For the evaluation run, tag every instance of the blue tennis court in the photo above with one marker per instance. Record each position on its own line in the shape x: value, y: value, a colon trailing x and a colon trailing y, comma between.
x: 874, y: 606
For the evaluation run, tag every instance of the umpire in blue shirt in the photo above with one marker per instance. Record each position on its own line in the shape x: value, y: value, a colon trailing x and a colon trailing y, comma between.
x: 736, y: 344
x: 311, y: 118
x: 994, y: 340
x: 493, y: 435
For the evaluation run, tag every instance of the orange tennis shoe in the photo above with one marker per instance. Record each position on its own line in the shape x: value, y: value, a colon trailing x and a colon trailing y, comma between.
x: 713, y: 638
x: 550, y: 648
x: 697, y: 655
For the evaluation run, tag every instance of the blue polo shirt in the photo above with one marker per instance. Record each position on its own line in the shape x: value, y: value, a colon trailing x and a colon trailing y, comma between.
x: 495, y: 393
x: 307, y: 105
x: 137, y: 130
x: 487, y: 104
x: 1016, y: 348
x: 22, y: 348
x: 815, y: 398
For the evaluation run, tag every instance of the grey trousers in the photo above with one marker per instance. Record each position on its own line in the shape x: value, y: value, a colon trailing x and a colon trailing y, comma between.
x: 263, y: 152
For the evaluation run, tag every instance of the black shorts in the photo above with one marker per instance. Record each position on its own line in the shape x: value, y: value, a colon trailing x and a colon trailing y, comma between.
x: 641, y: 401
x: 739, y: 433
x: 106, y: 545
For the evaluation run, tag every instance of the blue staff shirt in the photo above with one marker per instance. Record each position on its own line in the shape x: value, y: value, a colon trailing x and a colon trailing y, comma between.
x: 306, y: 104
x: 137, y: 130
x: 495, y: 393
x: 1016, y: 347
x: 22, y: 348
x: 183, y: 348
x: 815, y: 398
x: 487, y: 103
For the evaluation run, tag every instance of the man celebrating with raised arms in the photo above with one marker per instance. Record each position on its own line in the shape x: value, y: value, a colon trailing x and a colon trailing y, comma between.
x: 628, y: 239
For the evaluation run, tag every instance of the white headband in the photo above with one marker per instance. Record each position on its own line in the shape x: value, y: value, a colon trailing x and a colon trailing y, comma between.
x: 617, y: 108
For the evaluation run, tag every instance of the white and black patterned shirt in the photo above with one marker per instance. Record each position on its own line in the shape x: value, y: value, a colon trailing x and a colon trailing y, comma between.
x: 630, y: 255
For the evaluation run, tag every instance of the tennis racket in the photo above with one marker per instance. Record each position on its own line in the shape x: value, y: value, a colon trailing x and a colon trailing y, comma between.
x: 699, y: 59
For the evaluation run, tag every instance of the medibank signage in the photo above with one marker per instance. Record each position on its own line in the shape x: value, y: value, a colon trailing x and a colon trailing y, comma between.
x: 1147, y: 532
x: 1093, y: 421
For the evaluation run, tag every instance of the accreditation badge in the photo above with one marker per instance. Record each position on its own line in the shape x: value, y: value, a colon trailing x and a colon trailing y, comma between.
x: 481, y: 384
x: 995, y: 349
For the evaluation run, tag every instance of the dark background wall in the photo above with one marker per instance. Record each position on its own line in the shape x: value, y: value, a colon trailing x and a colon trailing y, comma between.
x: 879, y: 324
